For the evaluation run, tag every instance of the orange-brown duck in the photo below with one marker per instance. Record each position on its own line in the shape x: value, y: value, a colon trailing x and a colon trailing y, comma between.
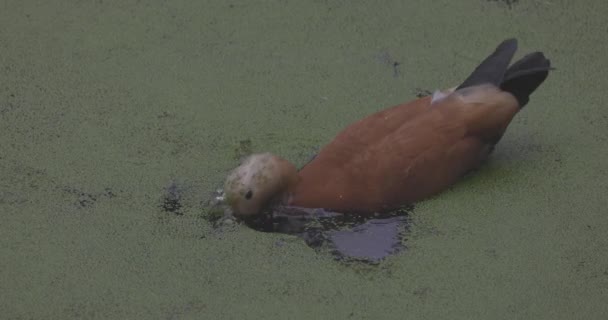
x: 402, y: 154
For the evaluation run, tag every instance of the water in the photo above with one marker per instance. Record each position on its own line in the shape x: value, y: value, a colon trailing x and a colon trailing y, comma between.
x: 119, y: 119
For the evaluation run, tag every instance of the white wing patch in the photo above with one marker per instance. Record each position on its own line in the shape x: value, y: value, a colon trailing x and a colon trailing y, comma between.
x: 438, y: 95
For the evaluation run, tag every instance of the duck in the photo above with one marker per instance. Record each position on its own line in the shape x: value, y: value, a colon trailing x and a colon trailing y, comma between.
x: 400, y: 155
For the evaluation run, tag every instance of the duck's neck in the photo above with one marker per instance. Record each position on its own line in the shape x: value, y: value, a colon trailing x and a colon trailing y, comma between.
x: 286, y: 197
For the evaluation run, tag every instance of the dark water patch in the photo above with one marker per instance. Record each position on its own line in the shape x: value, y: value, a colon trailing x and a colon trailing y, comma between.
x: 86, y: 199
x: 178, y: 214
x: 347, y: 237
x: 508, y: 3
x: 384, y: 57
x: 420, y: 93
x: 171, y: 199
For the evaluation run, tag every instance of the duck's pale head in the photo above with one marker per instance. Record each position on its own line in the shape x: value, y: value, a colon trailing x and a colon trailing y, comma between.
x: 259, y: 179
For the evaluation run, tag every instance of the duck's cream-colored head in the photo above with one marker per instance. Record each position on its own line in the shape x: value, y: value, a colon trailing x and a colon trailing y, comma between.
x: 259, y: 179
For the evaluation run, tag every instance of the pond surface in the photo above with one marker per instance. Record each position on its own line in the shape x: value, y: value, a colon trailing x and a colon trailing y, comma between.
x: 120, y: 119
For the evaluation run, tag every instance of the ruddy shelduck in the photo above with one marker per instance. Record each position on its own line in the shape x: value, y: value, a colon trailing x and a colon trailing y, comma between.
x: 399, y: 155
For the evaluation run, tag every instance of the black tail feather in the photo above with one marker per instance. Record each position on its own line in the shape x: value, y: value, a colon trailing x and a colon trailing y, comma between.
x: 525, y: 75
x: 520, y: 79
x: 492, y: 69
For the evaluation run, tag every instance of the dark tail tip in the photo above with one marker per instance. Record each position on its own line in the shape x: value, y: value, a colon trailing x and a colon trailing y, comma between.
x: 525, y: 76
x: 520, y: 79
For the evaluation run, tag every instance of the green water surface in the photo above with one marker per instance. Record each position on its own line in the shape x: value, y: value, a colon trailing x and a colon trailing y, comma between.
x: 108, y: 106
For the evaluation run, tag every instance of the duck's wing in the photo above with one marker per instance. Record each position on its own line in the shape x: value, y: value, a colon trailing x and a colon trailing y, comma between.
x: 457, y: 132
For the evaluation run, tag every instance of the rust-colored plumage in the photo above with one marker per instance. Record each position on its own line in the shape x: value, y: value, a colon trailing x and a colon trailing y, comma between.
x: 402, y: 154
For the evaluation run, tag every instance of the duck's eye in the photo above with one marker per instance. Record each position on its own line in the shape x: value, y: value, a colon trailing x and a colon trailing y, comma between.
x: 249, y: 194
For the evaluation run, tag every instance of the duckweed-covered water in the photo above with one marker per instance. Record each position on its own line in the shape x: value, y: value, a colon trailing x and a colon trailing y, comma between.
x: 119, y: 119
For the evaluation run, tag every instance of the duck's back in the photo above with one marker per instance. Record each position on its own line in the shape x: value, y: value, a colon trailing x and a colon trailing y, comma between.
x: 401, y: 155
